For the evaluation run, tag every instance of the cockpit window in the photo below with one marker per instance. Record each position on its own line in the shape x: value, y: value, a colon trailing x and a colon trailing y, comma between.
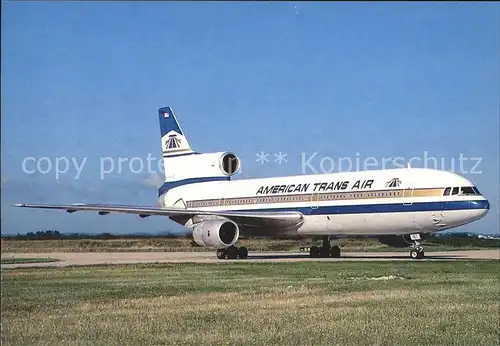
x: 467, y: 190
x: 463, y: 191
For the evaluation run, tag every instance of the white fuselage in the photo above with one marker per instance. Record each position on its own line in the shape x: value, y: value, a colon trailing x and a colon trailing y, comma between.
x: 382, y: 202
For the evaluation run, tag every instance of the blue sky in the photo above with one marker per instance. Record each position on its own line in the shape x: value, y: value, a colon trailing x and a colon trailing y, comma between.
x: 84, y: 81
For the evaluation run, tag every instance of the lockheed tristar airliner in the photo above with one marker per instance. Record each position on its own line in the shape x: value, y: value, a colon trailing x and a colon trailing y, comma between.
x: 398, y: 206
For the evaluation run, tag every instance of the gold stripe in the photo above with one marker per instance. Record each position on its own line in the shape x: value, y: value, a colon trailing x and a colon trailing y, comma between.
x: 428, y: 192
x: 316, y: 197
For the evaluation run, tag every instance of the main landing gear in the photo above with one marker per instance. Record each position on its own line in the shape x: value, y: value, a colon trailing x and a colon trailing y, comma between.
x: 417, y: 251
x: 325, y: 250
x: 232, y: 252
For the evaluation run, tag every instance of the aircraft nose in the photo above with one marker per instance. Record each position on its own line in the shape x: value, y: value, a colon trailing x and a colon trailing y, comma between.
x: 481, y: 206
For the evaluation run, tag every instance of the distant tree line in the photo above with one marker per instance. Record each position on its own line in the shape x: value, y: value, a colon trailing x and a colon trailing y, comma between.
x: 463, y: 239
x: 55, y: 234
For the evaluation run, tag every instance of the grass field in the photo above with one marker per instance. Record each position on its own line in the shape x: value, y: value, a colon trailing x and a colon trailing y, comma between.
x: 343, y: 303
x: 255, y: 244
x: 27, y: 260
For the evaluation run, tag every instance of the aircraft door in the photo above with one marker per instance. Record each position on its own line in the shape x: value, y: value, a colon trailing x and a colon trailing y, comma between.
x: 314, y: 202
x: 222, y: 202
x: 415, y: 221
x: 407, y: 196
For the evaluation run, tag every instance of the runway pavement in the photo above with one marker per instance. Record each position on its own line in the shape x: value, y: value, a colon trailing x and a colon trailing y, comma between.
x: 101, y: 258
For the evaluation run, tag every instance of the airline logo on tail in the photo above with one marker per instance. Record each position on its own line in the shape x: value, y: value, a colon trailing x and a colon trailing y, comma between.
x: 173, y: 141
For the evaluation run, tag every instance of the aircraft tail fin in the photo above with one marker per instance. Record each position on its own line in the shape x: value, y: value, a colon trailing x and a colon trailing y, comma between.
x: 173, y: 140
x: 184, y: 166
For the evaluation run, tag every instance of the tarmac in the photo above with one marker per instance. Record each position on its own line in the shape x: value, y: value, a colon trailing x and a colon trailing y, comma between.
x: 66, y: 259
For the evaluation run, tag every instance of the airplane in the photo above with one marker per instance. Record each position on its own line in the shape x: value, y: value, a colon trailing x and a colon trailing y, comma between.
x: 399, y: 207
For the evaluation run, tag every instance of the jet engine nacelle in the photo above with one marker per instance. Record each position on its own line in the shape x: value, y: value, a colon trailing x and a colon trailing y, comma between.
x: 222, y: 164
x: 219, y: 233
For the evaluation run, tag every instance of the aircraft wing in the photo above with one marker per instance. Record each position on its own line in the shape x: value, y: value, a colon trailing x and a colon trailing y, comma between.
x: 281, y: 220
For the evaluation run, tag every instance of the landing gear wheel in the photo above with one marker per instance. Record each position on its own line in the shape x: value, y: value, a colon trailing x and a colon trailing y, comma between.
x: 314, y: 251
x: 221, y: 254
x: 417, y: 253
x: 324, y: 252
x: 335, y: 252
x: 242, y: 252
x: 414, y: 254
x: 232, y: 252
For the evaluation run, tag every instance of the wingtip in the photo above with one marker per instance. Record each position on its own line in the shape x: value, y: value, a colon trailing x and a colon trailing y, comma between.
x: 18, y: 205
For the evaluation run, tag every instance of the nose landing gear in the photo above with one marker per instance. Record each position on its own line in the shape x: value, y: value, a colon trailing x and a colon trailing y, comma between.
x: 417, y: 251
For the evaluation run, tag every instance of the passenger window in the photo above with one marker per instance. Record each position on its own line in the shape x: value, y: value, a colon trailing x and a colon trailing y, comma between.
x: 455, y: 191
x: 447, y: 191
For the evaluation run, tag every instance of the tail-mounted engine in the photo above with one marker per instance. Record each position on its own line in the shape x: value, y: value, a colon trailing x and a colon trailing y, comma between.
x: 219, y: 233
x: 229, y: 163
x: 222, y: 164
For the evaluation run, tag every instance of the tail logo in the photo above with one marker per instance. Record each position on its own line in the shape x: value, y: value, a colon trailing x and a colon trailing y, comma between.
x: 173, y: 142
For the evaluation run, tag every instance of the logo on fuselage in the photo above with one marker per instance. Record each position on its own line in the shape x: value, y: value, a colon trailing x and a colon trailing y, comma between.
x: 394, y: 182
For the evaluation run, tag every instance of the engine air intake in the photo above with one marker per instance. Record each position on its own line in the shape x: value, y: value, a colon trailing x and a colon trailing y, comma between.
x: 230, y: 164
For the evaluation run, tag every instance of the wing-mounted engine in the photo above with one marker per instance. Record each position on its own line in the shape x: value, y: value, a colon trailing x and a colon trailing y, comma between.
x: 217, y: 233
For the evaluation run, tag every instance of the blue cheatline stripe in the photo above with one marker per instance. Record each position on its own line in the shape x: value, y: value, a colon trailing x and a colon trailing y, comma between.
x: 171, y: 184
x: 382, y: 208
